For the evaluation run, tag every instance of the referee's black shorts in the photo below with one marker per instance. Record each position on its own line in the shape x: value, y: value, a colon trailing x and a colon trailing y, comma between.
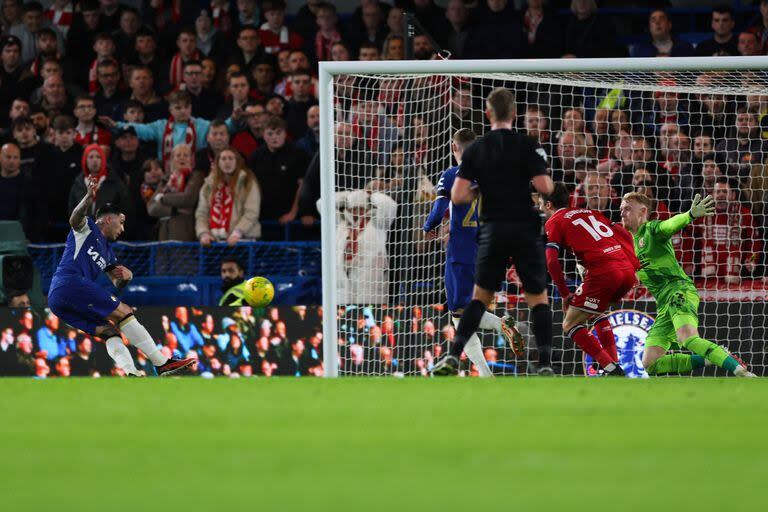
x: 521, y: 241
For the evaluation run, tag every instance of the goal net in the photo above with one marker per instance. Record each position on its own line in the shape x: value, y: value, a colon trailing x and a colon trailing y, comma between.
x: 700, y: 128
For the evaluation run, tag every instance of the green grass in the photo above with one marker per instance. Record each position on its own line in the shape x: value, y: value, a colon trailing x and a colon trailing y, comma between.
x: 375, y: 444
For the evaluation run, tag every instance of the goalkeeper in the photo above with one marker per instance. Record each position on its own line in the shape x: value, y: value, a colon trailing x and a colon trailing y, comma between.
x: 677, y: 300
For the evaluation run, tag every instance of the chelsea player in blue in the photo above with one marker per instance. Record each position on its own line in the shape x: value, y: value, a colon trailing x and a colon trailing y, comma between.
x: 75, y: 297
x: 460, y: 258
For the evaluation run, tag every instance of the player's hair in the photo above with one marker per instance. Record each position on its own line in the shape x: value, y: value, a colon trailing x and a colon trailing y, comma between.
x: 232, y: 259
x: 639, y: 198
x: 463, y: 138
x: 501, y: 104
x: 108, y: 209
x: 559, y: 197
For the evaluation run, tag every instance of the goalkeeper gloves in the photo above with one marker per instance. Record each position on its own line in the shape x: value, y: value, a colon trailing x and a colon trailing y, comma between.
x: 702, y: 207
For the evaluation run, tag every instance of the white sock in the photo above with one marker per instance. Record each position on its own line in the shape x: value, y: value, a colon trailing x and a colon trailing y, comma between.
x: 489, y: 321
x: 140, y: 338
x: 119, y: 352
x: 474, y: 351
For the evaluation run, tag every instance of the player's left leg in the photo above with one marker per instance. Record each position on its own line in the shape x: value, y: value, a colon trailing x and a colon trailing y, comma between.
x: 117, y: 349
x: 574, y: 325
x: 458, y: 293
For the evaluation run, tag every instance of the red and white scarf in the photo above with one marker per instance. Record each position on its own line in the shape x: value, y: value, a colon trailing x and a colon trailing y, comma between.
x: 323, y: 45
x: 222, y: 202
x: 174, y: 15
x: 177, y: 181
x: 273, y: 41
x: 221, y: 18
x: 190, y: 138
x: 62, y: 19
x: 177, y: 67
x: 87, y: 138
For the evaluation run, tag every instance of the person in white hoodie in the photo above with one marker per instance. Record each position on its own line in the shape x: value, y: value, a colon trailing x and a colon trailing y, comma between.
x: 363, y: 220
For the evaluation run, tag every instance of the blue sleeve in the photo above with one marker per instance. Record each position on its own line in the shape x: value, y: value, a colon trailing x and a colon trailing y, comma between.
x: 197, y: 340
x: 231, y: 125
x: 201, y: 127
x: 147, y: 131
x: 436, y: 215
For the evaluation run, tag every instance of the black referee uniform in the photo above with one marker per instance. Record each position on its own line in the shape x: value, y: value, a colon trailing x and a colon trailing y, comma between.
x: 503, y: 163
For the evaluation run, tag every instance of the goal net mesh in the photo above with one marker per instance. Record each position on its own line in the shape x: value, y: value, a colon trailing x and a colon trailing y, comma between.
x: 669, y: 134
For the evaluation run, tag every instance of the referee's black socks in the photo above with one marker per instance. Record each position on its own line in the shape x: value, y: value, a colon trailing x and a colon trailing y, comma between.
x: 470, y: 321
x: 541, y: 317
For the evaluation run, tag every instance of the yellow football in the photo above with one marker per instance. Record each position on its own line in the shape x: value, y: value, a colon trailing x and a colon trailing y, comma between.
x: 259, y: 291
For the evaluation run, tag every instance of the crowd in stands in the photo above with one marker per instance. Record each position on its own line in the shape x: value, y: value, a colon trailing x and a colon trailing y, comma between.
x: 201, y: 119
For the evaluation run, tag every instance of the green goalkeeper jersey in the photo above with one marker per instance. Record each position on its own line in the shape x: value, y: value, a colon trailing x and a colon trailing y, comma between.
x: 659, y: 269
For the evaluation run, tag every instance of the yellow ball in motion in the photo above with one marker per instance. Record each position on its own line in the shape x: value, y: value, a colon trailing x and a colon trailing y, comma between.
x: 259, y: 292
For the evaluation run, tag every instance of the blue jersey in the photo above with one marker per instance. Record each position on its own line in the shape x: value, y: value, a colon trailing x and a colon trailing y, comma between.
x: 87, y: 254
x: 462, y: 244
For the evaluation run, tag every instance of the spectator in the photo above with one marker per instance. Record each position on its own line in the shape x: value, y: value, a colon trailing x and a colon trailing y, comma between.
x: 210, y: 41
x: 232, y: 282
x: 146, y: 54
x: 36, y: 164
x: 297, y: 61
x: 251, y: 139
x: 723, y: 41
x: 111, y: 188
x: 668, y: 107
x: 304, y: 21
x: 174, y: 204
x: 32, y: 20
x: 229, y: 204
x: 249, y: 50
x: 571, y: 148
x: 275, y: 35
x: 748, y: 44
x: 598, y: 196
x: 187, y: 51
x: 218, y: 139
x: 68, y: 156
x: 10, y: 65
x: 110, y: 14
x: 279, y: 168
x: 10, y: 14
x: 588, y: 35
x: 731, y: 248
x: 432, y: 18
x: 296, y: 108
x: 294, y: 363
x: 760, y: 28
x: 498, y: 32
x: 87, y: 131
x: 422, y: 47
x: 19, y: 300
x: 239, y: 90
x: 104, y: 48
x: 247, y: 13
x: 127, y: 159
x: 700, y: 180
x: 340, y: 52
x: 204, y: 101
x: 662, y: 44
x: 235, y: 356
x: 362, y: 228
x: 372, y: 28
x: 179, y: 128
x: 543, y: 32
x: 186, y: 332
x: 85, y: 26
x: 46, y: 48
x: 41, y: 123
x: 81, y: 362
x: 55, y: 99
x: 744, y: 148
x: 48, y: 338
x: 109, y: 95
x: 711, y: 113
x: 125, y: 36
x: 310, y: 142
x: 536, y: 126
x: 16, y: 198
x: 327, y: 31
x: 264, y: 79
x: 368, y: 51
x: 61, y: 14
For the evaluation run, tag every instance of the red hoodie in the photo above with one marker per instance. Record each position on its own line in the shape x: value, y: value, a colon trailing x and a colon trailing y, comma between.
x: 102, y: 171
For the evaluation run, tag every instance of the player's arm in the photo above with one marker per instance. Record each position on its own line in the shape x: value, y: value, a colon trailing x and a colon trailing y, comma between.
x: 699, y: 208
x: 440, y: 206
x: 556, y: 270
x: 77, y: 219
x: 464, y: 191
x: 119, y: 275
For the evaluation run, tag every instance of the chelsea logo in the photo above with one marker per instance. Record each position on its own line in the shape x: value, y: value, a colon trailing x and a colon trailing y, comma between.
x: 630, y: 329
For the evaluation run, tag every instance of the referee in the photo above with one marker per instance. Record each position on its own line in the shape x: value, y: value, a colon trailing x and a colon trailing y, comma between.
x: 503, y: 164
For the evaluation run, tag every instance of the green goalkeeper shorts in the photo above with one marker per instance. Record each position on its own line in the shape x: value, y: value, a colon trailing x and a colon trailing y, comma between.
x: 678, y: 306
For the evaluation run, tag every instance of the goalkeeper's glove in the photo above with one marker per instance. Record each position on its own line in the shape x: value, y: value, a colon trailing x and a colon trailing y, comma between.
x: 702, y: 207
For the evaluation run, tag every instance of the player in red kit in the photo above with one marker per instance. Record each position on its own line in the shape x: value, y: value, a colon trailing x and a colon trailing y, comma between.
x: 607, y: 253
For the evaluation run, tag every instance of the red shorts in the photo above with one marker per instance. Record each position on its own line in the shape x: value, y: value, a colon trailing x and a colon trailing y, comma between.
x: 599, y: 291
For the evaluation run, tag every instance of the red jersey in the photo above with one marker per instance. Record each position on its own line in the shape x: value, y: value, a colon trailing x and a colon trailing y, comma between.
x: 596, y: 243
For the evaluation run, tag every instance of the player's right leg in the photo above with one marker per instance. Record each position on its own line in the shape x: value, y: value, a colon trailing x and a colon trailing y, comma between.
x: 656, y: 361
x: 117, y: 349
x: 458, y: 293
x: 574, y: 325
x: 137, y: 335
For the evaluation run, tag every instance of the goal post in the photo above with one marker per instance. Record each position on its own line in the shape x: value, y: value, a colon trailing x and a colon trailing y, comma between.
x: 410, y: 108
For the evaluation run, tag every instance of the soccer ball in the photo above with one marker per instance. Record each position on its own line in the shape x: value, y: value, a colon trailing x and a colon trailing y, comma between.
x: 259, y: 291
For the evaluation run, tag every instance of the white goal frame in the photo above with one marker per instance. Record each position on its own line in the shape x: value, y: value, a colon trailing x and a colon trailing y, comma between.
x: 328, y: 70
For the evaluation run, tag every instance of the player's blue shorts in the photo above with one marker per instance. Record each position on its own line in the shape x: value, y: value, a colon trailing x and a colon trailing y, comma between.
x: 459, y: 282
x: 81, y: 303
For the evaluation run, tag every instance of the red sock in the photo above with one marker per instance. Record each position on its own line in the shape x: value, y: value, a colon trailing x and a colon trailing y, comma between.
x: 605, y: 335
x: 589, y: 344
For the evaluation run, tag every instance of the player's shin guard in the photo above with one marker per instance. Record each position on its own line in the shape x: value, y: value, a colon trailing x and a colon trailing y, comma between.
x: 120, y: 354
x: 712, y: 352
x: 474, y: 351
x: 605, y: 335
x: 140, y: 338
x: 468, y: 324
x: 491, y: 322
x: 675, y: 363
x: 589, y: 344
x: 541, y: 318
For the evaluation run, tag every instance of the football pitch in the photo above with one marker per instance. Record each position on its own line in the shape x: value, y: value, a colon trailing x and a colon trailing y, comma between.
x: 383, y: 444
